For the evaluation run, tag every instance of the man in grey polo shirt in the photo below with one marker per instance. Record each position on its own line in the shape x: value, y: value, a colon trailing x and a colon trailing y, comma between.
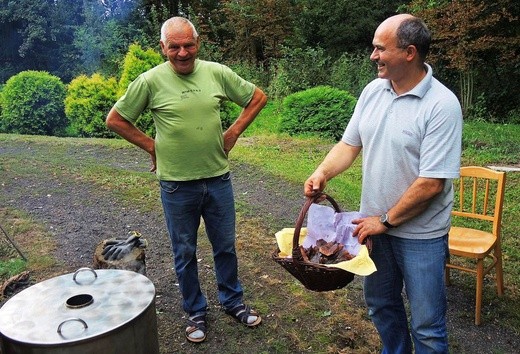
x: 409, y: 126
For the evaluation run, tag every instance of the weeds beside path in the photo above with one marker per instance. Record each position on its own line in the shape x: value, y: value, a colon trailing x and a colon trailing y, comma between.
x: 83, y: 191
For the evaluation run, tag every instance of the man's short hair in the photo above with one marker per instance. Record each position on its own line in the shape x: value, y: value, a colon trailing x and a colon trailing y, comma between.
x: 174, y: 21
x: 413, y: 31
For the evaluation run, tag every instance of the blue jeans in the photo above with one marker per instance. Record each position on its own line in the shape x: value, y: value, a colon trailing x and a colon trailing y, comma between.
x: 184, y: 203
x: 419, y: 264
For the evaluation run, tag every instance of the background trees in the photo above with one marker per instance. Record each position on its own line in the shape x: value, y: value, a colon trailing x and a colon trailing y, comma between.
x: 479, y: 42
x: 282, y: 45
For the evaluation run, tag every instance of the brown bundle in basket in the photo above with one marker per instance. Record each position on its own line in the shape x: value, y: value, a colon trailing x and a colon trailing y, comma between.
x: 314, y: 276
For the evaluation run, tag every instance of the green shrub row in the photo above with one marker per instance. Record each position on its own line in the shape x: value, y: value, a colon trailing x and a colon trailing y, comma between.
x: 39, y: 103
x: 35, y: 102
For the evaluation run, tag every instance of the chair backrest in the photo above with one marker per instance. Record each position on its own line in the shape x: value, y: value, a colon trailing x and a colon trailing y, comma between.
x: 480, y: 195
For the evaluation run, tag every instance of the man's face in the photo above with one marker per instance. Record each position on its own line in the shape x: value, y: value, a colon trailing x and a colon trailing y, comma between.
x: 181, y: 49
x: 389, y: 58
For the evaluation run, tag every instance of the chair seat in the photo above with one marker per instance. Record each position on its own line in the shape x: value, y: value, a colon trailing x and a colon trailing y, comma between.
x: 470, y: 242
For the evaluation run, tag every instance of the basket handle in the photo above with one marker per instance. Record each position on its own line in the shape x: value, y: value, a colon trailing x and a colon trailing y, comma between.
x: 301, y: 217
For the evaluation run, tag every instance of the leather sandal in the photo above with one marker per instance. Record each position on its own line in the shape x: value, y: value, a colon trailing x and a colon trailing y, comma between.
x: 242, y: 313
x: 196, y: 330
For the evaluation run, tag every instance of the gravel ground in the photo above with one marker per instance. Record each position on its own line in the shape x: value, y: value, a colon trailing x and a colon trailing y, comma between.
x: 81, y: 215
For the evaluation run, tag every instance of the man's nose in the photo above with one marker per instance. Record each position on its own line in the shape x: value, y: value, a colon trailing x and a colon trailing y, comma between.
x: 374, y: 54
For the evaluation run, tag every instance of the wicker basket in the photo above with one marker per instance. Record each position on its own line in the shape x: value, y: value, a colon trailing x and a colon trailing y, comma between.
x: 314, y: 276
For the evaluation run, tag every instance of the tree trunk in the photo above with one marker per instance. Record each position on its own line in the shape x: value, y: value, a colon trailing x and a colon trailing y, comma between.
x: 466, y: 89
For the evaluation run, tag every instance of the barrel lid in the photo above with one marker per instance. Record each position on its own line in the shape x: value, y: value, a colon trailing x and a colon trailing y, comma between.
x: 76, y: 307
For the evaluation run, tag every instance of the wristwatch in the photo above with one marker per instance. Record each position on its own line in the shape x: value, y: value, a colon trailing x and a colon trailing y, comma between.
x: 384, y: 219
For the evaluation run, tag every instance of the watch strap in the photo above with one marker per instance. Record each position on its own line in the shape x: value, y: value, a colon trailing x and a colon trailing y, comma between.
x: 384, y: 220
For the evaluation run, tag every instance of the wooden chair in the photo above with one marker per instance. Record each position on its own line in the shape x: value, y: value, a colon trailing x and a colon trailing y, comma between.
x: 480, y: 197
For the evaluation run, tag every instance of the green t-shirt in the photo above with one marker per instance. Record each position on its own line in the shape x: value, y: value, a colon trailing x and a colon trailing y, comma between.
x: 186, y: 111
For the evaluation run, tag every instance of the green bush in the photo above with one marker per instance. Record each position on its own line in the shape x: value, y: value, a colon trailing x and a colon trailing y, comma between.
x: 1, y: 104
x: 32, y: 103
x: 229, y: 112
x: 88, y: 101
x: 137, y: 61
x: 321, y: 110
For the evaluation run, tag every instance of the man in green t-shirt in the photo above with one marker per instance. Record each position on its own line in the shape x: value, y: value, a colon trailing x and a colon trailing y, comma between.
x: 189, y: 155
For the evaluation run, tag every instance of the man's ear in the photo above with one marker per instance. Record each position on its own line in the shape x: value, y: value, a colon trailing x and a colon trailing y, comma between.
x: 411, y: 52
x: 163, y: 47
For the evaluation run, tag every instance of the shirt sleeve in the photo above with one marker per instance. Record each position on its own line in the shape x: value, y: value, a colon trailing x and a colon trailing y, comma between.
x: 441, y: 147
x: 135, y: 100
x: 237, y: 89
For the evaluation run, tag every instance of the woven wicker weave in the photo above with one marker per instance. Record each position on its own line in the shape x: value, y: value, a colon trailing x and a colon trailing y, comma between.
x: 314, y: 276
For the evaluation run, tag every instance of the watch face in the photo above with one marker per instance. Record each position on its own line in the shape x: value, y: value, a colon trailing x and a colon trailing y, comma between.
x: 383, y: 218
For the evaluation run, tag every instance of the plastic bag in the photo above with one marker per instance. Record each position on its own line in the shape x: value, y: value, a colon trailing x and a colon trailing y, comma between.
x: 324, y: 223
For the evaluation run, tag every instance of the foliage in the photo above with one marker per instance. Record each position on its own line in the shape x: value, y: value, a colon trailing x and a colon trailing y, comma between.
x: 103, y: 37
x: 478, y: 110
x: 88, y: 101
x: 299, y: 69
x: 33, y: 104
x: 252, y: 38
x: 1, y: 101
x: 25, y: 30
x: 476, y: 39
x: 291, y: 43
x: 251, y: 72
x: 229, y: 112
x: 323, y: 110
x: 137, y: 61
x: 466, y: 31
x: 340, y: 26
x: 352, y: 72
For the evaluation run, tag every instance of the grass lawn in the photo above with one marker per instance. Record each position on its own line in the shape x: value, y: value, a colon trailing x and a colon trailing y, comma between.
x: 294, y: 159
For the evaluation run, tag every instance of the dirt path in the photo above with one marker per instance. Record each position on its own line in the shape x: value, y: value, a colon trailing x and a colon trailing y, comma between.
x: 80, y: 215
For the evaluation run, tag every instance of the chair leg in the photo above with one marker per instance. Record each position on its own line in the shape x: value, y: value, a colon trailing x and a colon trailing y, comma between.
x: 478, y: 292
x: 499, y: 271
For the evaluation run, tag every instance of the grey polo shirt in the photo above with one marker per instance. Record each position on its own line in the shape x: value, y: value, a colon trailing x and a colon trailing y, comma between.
x: 416, y: 134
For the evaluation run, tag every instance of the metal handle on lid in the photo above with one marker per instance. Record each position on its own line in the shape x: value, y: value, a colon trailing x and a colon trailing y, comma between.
x: 82, y: 270
x: 85, y: 326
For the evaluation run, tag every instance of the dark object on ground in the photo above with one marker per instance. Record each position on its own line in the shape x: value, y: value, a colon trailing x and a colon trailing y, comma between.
x: 126, y: 254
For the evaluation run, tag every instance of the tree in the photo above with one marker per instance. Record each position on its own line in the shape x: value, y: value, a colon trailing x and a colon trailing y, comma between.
x: 256, y: 30
x: 36, y: 35
x: 473, y: 38
x: 103, y: 37
x: 340, y: 26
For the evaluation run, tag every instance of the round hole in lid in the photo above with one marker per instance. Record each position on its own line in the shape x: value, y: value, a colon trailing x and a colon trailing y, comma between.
x: 79, y: 301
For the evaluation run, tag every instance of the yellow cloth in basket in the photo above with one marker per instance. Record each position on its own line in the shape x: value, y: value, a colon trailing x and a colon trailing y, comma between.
x: 361, y: 264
